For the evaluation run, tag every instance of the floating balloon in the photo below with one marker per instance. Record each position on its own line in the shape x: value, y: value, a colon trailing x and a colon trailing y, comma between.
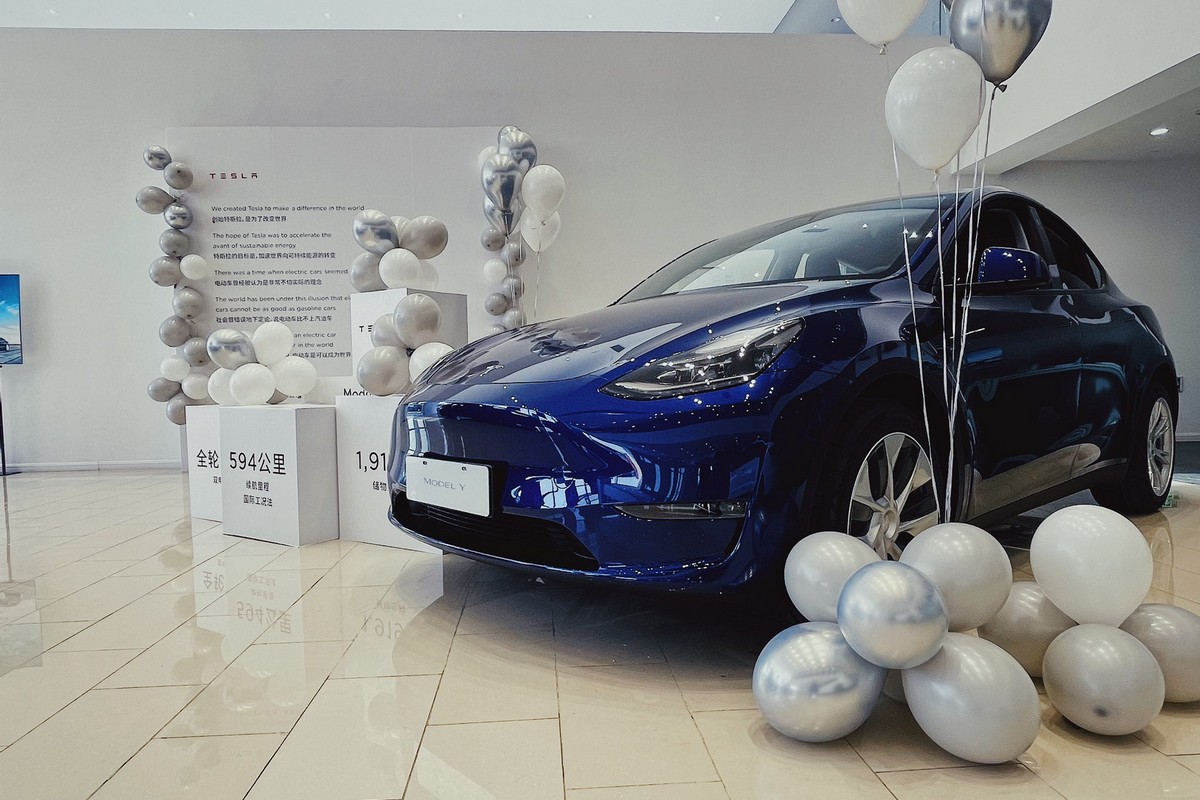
x: 383, y: 371
x: 492, y: 240
x: 1103, y: 679
x: 174, y: 369
x: 968, y: 566
x: 178, y: 216
x: 514, y: 318
x: 399, y: 222
x: 165, y: 271
x: 507, y: 129
x: 494, y: 270
x: 1172, y: 635
x: 294, y: 376
x: 933, y: 105
x: 364, y: 273
x: 252, y: 384
x: 272, y: 342
x: 425, y: 356
x: 999, y: 34
x: 174, y: 243
x: 195, y: 352
x: 153, y: 200
x: 974, y: 700
x: 1092, y: 562
x: 513, y: 255
x: 187, y: 302
x: 504, y: 221
x: 484, y: 155
x: 425, y: 236
x: 520, y: 146
x: 177, y: 175
x: 817, y: 568
x: 399, y: 268
x: 161, y: 389
x: 177, y: 408
x: 495, y: 304
x: 892, y: 615
x: 543, y: 190
x: 230, y: 348
x: 498, y: 328
x: 375, y: 232
x: 195, y: 386
x: 880, y: 22
x: 513, y: 287
x: 1026, y: 625
x: 417, y: 319
x: 194, y: 267
x: 811, y: 685
x: 156, y: 157
x: 540, y: 235
x: 218, y: 387
x: 383, y: 333
x: 174, y: 331
x: 501, y: 179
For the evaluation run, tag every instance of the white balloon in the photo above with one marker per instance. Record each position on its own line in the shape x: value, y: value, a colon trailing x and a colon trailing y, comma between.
x: 400, y: 268
x: 194, y: 267
x: 1026, y: 625
x: 485, y: 154
x: 400, y: 222
x: 933, y: 105
x: 417, y: 318
x: 542, y: 190
x: 817, y: 569
x: 272, y: 342
x: 294, y: 375
x: 195, y: 386
x: 494, y: 270
x: 174, y: 368
x: 218, y: 387
x: 540, y: 235
x: 969, y: 567
x: 1092, y: 563
x: 880, y: 22
x: 424, y: 356
x: 252, y: 384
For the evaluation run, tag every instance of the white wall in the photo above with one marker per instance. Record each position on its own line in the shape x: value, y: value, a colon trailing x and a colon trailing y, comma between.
x: 1140, y: 218
x: 666, y: 141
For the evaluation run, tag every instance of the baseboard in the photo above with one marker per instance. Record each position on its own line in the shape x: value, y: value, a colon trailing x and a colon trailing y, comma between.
x: 93, y: 466
x: 1187, y: 437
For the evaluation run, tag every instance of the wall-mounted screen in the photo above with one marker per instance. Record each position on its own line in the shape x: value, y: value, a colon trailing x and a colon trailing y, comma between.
x: 10, y: 320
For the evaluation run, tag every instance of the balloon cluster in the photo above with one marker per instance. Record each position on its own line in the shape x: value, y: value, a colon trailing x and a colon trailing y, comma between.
x: 397, y: 251
x: 255, y: 369
x: 183, y: 378
x: 521, y: 200
x: 820, y: 680
x: 405, y: 344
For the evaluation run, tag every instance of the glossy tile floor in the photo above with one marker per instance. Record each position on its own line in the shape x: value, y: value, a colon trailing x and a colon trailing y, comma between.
x: 146, y: 654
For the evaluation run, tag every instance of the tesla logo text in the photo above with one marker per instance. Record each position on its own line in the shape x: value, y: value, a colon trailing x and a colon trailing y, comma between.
x: 232, y: 176
x: 457, y: 487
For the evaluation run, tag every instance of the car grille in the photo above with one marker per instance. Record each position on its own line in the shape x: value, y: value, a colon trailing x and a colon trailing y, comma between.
x: 509, y: 536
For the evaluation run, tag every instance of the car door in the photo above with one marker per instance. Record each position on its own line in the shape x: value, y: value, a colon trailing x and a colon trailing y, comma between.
x: 1020, y: 374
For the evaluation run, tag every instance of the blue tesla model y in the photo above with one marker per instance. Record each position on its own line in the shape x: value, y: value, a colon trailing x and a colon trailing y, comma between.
x: 768, y: 384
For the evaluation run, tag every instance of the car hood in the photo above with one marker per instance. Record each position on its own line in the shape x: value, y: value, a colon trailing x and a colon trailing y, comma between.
x: 591, y: 343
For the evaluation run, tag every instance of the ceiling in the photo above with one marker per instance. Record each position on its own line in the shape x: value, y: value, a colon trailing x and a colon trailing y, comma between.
x: 1130, y: 139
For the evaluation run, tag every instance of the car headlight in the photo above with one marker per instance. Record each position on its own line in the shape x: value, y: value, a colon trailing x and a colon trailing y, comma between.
x: 725, y: 361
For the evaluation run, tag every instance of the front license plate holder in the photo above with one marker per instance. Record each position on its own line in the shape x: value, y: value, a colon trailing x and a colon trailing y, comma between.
x: 454, y: 485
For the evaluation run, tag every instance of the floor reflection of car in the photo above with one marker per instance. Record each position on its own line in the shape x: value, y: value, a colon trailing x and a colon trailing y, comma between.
x: 766, y: 385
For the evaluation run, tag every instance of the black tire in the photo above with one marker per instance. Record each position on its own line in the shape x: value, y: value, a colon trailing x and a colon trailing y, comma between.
x: 866, y: 430
x: 1147, y: 480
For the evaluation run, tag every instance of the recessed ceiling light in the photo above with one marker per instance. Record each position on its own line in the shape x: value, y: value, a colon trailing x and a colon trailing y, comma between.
x: 593, y: 16
x: 1160, y: 131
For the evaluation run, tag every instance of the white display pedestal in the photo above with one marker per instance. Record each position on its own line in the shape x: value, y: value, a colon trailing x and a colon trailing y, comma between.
x: 278, y: 473
x: 203, y: 456
x: 366, y: 307
x: 364, y: 429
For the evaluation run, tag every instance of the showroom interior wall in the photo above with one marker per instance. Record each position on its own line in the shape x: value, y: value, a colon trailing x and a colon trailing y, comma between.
x: 665, y: 141
x: 1140, y: 218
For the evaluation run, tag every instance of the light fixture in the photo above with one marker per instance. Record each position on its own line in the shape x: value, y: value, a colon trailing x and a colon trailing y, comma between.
x: 1161, y: 130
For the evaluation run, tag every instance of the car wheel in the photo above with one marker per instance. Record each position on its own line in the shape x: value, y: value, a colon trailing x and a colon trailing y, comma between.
x: 1151, y: 463
x: 880, y: 486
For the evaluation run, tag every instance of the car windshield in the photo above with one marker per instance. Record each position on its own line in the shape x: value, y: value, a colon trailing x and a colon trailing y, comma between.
x: 841, y: 244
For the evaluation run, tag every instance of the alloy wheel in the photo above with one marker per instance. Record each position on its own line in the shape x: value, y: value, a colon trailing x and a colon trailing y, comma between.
x: 1160, y: 446
x: 893, y: 498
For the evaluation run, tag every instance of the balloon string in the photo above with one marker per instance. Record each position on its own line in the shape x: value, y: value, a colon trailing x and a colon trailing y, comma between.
x: 537, y: 282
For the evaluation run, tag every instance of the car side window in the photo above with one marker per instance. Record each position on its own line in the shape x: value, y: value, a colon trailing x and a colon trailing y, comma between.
x: 1076, y: 267
x: 1000, y: 225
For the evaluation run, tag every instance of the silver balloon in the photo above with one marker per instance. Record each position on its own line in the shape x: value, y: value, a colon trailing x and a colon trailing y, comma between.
x: 817, y: 568
x: 174, y: 243
x: 498, y: 328
x: 1103, y: 679
x: 178, y: 175
x: 501, y: 178
x: 187, y: 302
x: 174, y: 331
x: 495, y: 304
x: 177, y: 408
x: 811, y: 685
x: 156, y: 157
x: 383, y: 333
x: 1026, y: 625
x: 892, y: 615
x: 383, y: 371
x: 974, y: 701
x: 375, y: 232
x: 999, y: 34
x: 969, y: 567
x: 195, y: 352
x: 165, y: 271
x: 492, y: 240
x: 417, y: 319
x: 520, y: 146
x: 277, y: 398
x: 513, y: 254
x: 514, y: 318
x: 153, y: 200
x: 425, y: 237
x: 230, y: 348
x: 505, y: 131
x: 513, y: 287
x: 178, y: 216
x: 503, y: 221
x: 161, y: 390
x: 1172, y: 635
x: 364, y: 273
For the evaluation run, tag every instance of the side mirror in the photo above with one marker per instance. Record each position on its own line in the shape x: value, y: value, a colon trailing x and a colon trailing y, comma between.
x: 1007, y: 269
